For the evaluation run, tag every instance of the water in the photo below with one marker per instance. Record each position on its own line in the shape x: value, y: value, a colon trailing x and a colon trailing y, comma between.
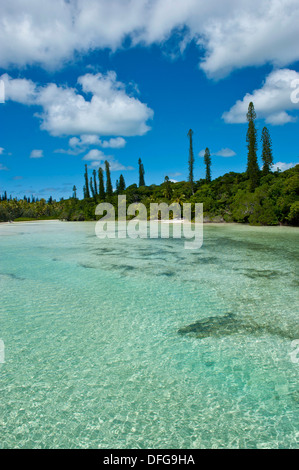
x: 93, y: 354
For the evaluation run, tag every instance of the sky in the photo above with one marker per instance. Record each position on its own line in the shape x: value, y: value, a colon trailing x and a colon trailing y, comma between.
x: 82, y: 82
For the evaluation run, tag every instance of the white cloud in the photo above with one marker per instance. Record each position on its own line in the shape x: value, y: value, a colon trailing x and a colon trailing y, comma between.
x: 230, y: 34
x: 225, y: 152
x: 283, y: 166
x: 109, y: 111
x: 97, y: 158
x: 116, y: 143
x: 271, y: 101
x: 87, y: 140
x: 1, y: 150
x: 95, y: 154
x: 2, y: 167
x: 36, y: 154
x: 19, y: 90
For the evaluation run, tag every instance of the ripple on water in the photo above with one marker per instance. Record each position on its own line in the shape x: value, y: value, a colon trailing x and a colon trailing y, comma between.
x: 92, y: 350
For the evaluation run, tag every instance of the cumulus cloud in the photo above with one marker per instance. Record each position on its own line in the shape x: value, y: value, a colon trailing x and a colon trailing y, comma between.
x: 283, y: 166
x: 36, y: 154
x: 225, y: 152
x: 272, y: 102
x: 97, y: 158
x: 65, y: 111
x: 86, y: 140
x: 229, y: 34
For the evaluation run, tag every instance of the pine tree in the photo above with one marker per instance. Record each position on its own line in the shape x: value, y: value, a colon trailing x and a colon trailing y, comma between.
x: 92, y: 188
x: 267, y: 151
x: 207, y: 159
x: 101, y: 184
x: 95, y: 182
x: 167, y: 188
x: 122, y: 184
x: 253, y: 171
x: 86, y: 186
x: 109, y: 189
x: 141, y: 173
x: 191, y: 160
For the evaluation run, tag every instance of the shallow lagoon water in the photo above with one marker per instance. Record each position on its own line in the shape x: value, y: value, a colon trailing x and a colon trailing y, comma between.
x: 93, y: 354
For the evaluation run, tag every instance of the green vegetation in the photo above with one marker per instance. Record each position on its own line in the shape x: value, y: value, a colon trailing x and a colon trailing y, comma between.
x: 227, y: 198
x: 257, y: 197
x: 207, y: 159
x: 109, y: 189
x: 267, y: 151
x: 141, y: 173
x: 253, y: 171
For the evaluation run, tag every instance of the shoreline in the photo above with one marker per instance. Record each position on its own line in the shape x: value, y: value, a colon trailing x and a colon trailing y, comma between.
x: 30, y: 221
x: 170, y: 222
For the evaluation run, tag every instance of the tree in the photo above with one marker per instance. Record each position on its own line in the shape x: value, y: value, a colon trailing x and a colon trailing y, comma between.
x: 207, y: 159
x: 95, y: 182
x: 267, y: 151
x: 141, y: 173
x: 191, y: 160
x: 86, y: 186
x: 74, y: 192
x: 109, y: 189
x: 92, y: 190
x: 167, y: 188
x: 253, y: 171
x: 121, y: 184
x: 101, y: 184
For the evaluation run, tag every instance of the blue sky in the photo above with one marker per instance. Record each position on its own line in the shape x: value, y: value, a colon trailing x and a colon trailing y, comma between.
x: 89, y: 81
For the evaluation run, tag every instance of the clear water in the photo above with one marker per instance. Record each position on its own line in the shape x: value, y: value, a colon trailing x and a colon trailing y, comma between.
x: 93, y: 354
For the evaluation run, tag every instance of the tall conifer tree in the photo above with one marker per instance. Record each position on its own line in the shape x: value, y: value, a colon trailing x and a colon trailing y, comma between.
x: 253, y: 171
x: 94, y: 173
x: 101, y: 184
x: 109, y: 189
x: 122, y: 184
x: 141, y: 173
x: 86, y: 186
x: 92, y: 188
x: 207, y: 159
x: 267, y: 156
x: 167, y: 188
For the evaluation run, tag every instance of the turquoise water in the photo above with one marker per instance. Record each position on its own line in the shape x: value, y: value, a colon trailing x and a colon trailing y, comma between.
x: 92, y: 350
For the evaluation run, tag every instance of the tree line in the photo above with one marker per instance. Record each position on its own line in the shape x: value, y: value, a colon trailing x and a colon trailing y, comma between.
x: 256, y: 196
x: 253, y: 171
x: 95, y: 187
